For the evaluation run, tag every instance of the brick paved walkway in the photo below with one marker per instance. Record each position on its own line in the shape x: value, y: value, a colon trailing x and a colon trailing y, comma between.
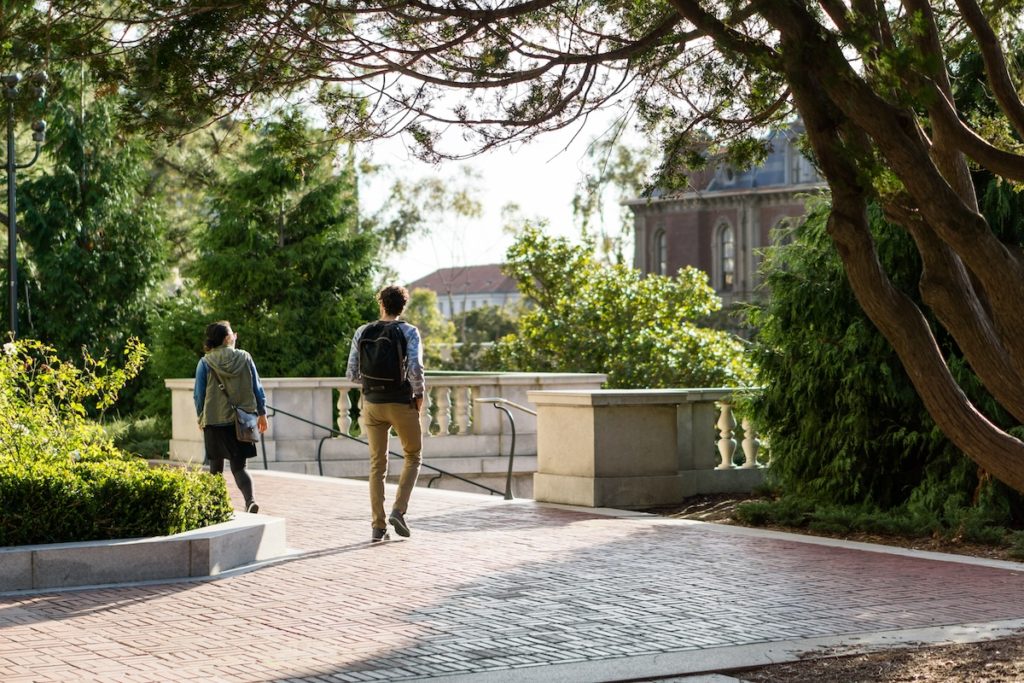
x: 483, y: 585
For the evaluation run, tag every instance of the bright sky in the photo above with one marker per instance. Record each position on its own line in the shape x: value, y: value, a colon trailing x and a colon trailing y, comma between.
x: 541, y: 177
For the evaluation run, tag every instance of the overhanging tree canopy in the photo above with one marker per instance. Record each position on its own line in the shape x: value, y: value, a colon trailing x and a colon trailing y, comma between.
x: 872, y: 81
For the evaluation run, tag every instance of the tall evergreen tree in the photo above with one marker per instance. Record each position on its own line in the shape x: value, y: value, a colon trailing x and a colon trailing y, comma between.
x: 843, y: 419
x: 282, y: 255
x: 94, y: 241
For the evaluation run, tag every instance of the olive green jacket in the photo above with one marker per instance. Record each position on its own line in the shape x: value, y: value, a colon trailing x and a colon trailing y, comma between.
x: 234, y: 368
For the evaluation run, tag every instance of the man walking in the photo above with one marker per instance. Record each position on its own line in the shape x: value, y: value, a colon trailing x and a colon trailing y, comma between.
x: 387, y: 357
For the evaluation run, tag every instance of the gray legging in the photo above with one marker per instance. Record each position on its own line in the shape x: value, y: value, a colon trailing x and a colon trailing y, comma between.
x: 242, y: 479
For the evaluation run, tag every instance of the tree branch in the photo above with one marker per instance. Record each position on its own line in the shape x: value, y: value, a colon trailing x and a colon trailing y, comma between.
x: 995, y: 63
x: 998, y: 161
x: 722, y: 34
x: 948, y: 157
x: 947, y: 289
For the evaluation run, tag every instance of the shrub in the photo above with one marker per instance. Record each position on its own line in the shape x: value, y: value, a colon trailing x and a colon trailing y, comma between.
x: 104, y: 498
x: 844, y: 422
x: 1016, y: 542
x: 792, y: 512
x: 61, y: 477
x: 834, y: 520
x: 147, y: 437
x: 899, y: 523
x: 757, y: 513
x: 641, y: 330
x: 978, y: 524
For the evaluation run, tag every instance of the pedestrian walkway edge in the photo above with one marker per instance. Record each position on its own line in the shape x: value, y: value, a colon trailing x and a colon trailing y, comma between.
x: 740, y: 657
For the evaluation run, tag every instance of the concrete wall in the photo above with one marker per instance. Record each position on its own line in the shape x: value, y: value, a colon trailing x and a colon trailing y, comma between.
x: 202, y: 552
x: 638, y: 448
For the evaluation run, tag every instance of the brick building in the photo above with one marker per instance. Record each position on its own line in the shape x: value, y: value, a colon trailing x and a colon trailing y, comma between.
x: 721, y: 224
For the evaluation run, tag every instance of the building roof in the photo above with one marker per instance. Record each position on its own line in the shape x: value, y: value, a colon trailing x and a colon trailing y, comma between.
x: 720, y: 177
x: 485, y: 279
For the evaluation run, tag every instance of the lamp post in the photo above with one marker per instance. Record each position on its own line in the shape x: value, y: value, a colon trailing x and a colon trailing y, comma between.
x: 11, y: 93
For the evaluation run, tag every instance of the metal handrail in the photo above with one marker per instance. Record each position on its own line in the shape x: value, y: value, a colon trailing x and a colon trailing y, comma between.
x: 497, y: 402
x: 335, y: 432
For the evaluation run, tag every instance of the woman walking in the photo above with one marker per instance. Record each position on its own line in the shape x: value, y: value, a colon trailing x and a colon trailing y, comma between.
x: 227, y: 376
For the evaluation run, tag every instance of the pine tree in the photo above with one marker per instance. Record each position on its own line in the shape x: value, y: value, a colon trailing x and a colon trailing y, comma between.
x: 282, y: 255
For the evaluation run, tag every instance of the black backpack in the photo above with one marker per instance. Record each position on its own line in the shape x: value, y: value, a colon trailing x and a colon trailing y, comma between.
x: 382, y: 351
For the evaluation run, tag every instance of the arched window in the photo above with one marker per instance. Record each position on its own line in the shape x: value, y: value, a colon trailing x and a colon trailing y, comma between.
x: 660, y: 253
x: 726, y: 258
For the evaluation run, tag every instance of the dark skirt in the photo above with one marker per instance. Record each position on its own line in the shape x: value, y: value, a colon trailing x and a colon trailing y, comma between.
x: 221, y: 443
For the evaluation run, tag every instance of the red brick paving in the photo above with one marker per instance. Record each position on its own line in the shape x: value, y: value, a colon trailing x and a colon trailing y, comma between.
x: 482, y: 585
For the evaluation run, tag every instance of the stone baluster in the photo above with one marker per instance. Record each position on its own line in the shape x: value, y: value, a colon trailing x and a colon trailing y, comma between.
x: 444, y: 410
x: 461, y: 409
x: 362, y: 416
x: 425, y: 419
x: 344, y: 411
x: 726, y: 444
x: 751, y: 444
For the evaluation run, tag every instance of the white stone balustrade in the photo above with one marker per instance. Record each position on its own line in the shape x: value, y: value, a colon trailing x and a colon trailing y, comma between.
x: 466, y: 438
x: 587, y: 446
x: 640, y: 448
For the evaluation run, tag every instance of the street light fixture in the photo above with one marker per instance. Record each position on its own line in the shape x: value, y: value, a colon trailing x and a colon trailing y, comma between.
x: 12, y: 93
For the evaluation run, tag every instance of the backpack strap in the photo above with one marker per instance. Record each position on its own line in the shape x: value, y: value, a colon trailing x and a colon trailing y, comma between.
x: 405, y: 342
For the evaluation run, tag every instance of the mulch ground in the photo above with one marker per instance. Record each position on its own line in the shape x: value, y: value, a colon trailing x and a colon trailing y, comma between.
x: 996, y: 661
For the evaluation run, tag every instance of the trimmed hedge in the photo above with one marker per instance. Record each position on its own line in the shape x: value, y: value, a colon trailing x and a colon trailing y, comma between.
x: 100, y: 499
x: 62, y: 479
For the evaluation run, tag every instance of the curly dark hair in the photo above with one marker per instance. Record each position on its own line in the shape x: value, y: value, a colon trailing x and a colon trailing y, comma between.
x: 393, y: 299
x: 216, y: 333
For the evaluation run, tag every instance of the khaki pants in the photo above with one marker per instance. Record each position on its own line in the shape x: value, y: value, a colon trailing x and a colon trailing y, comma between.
x: 379, y: 418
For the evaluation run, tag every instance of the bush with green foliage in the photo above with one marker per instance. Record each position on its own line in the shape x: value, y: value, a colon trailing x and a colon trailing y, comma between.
x: 147, y: 437
x: 113, y: 496
x: 977, y: 524
x: 478, y: 330
x: 61, y: 477
x: 641, y: 330
x: 844, y: 424
x: 93, y: 236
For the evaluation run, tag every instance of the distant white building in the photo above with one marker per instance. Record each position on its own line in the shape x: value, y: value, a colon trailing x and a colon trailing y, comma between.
x: 464, y: 288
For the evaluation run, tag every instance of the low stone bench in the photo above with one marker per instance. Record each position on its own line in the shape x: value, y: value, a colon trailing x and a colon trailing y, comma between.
x: 202, y: 552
